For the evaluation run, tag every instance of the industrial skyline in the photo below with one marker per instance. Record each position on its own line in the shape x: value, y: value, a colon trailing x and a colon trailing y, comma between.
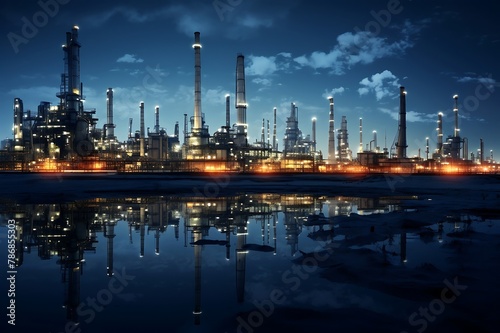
x: 147, y: 59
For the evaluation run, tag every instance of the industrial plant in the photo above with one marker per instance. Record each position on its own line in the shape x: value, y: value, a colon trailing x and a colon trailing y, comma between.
x: 65, y: 137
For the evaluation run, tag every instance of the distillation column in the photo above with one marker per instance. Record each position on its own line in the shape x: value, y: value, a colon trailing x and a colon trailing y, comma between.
x: 401, y: 145
x: 197, y: 125
x: 360, y: 135
x: 331, y: 134
x: 110, y: 126
x: 241, y: 103
x: 313, y: 145
x: 142, y: 131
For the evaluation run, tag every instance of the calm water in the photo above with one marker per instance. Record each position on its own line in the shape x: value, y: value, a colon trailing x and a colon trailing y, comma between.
x: 163, y: 264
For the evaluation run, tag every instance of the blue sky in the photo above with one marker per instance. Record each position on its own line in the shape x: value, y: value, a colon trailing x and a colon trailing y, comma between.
x: 295, y: 51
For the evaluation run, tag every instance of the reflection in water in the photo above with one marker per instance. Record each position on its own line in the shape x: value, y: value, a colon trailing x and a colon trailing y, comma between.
x: 69, y: 230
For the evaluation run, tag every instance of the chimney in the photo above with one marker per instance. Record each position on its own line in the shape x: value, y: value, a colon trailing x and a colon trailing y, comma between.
x: 142, y: 135
x: 228, y: 111
x: 313, y: 134
x: 274, y: 130
x: 331, y: 134
x: 241, y: 103
x: 109, y: 107
x: 360, y: 135
x: 197, y: 125
x: 456, y: 131
x: 401, y: 145
x: 157, y: 119
x: 440, y: 134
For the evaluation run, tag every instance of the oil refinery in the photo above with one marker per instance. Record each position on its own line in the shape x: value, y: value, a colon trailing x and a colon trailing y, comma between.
x: 65, y: 137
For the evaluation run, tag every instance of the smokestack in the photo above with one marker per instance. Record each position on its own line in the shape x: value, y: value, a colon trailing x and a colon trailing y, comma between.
x: 427, y: 148
x: 70, y: 80
x: 375, y: 143
x: 401, y: 145
x: 142, y: 135
x: 18, y: 124
x: 314, y: 134
x: 274, y: 130
x: 185, y: 129
x: 157, y: 119
x: 456, y: 132
x: 130, y: 127
x: 263, y: 133
x: 109, y: 103
x: 197, y: 82
x: 176, y: 130
x: 241, y: 103
x: 481, y: 147
x: 268, y: 135
x: 360, y: 135
x: 440, y: 134
x: 228, y: 111
x: 331, y: 134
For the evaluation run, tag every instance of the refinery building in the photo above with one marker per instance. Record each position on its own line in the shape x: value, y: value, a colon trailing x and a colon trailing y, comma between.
x: 66, y: 137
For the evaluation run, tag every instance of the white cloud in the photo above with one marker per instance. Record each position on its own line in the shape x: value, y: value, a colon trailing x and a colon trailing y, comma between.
x: 489, y: 82
x: 260, y: 65
x: 382, y: 84
x: 251, y: 21
x: 130, y: 58
x: 264, y: 82
x: 361, y: 47
x: 333, y: 92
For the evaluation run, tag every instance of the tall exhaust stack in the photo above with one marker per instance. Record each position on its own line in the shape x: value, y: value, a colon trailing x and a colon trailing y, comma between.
x: 313, y: 134
x: 331, y: 134
x: 71, y: 86
x: 241, y: 103
x: 440, y: 134
x: 401, y: 145
x: 185, y: 129
x: 481, y: 148
x: 109, y: 107
x: 274, y: 130
x: 375, y: 143
x: 142, y: 132
x: 197, y: 125
x: 263, y: 133
x: 157, y: 119
x: 268, y: 135
x: 360, y: 135
x: 228, y: 111
x: 456, y: 131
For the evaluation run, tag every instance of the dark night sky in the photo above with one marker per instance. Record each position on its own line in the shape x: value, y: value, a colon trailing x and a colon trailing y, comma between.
x: 295, y: 51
